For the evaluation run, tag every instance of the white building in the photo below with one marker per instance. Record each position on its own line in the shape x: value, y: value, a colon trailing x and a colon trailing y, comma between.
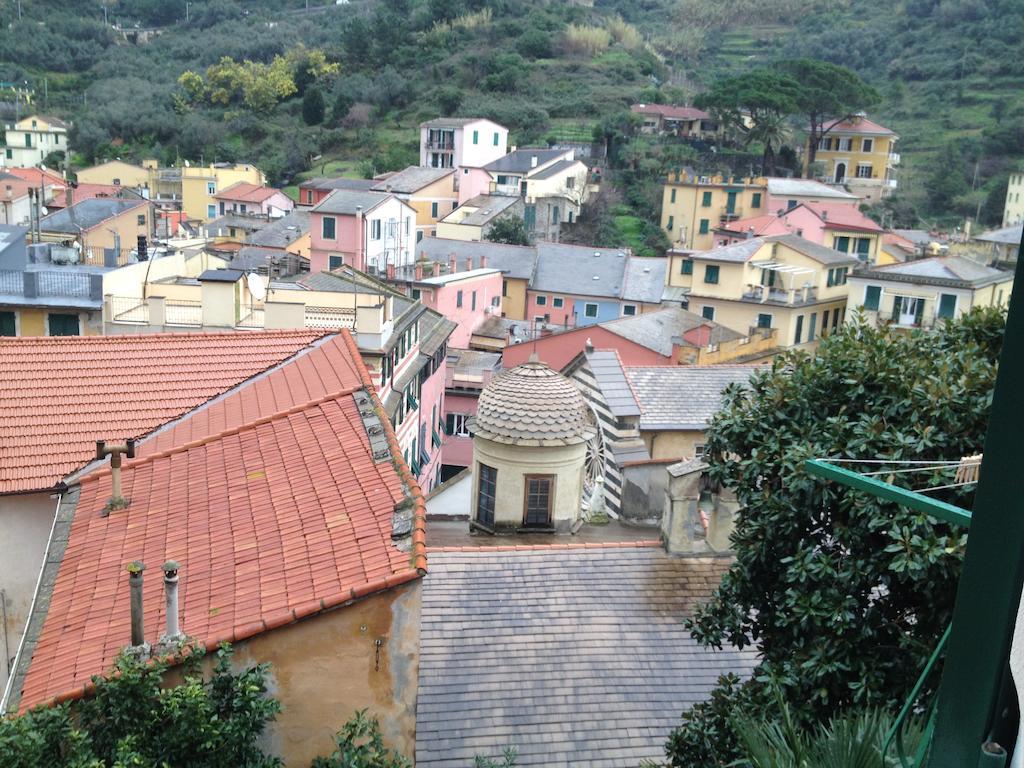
x: 31, y: 139
x: 1013, y: 212
x: 454, y: 142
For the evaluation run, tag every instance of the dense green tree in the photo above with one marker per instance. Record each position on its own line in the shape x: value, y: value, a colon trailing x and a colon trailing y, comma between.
x: 844, y: 595
x: 448, y: 99
x: 534, y: 44
x: 313, y: 109
x: 508, y: 229
x: 827, y: 92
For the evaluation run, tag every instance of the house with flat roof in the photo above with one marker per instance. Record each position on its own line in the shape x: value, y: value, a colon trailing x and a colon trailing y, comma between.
x: 300, y: 557
x: 474, y: 218
x: 922, y: 293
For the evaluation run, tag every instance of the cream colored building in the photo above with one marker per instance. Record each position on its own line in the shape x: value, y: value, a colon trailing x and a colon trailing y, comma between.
x: 531, y: 435
x: 783, y: 282
x: 920, y: 294
x: 430, y: 191
x: 32, y: 138
x: 1013, y: 212
x: 118, y: 173
x: 693, y: 206
x: 200, y: 184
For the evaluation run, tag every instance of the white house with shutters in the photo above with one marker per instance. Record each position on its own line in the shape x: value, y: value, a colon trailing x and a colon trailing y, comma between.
x: 31, y: 139
x: 918, y: 294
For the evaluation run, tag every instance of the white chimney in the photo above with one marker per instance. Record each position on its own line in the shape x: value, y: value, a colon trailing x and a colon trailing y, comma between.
x: 533, y: 161
x: 173, y: 633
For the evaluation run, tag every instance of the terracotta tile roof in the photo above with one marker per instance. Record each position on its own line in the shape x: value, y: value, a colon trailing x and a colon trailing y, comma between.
x: 37, y: 176
x: 272, y: 520
x: 839, y: 216
x: 858, y: 125
x: 243, y: 190
x: 670, y: 112
x: 767, y: 224
x: 61, y: 394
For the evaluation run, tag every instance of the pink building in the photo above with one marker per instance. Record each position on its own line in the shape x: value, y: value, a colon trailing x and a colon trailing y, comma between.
x: 783, y: 194
x: 253, y: 200
x: 466, y: 298
x: 370, y: 231
x: 468, y: 372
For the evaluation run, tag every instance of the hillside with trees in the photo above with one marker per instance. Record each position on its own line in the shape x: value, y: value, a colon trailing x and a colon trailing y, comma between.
x: 946, y: 73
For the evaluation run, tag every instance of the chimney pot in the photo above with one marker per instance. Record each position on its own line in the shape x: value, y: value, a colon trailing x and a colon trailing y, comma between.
x: 452, y: 263
x: 419, y: 270
x: 135, y: 569
x: 173, y: 632
x: 469, y: 264
x: 390, y: 271
x: 483, y: 262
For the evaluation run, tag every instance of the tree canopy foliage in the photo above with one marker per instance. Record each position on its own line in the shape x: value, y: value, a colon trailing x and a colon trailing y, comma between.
x: 844, y: 595
x: 508, y: 229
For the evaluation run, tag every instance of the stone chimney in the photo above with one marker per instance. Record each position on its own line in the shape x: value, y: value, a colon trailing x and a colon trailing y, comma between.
x: 483, y: 262
x: 117, y: 499
x: 390, y: 271
x: 453, y: 266
x: 69, y: 196
x: 135, y: 569
x: 419, y: 270
x: 173, y: 631
x: 469, y: 264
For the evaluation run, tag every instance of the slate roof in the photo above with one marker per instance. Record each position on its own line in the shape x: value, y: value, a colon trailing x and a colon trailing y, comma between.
x: 952, y: 271
x: 515, y: 261
x: 737, y: 253
x: 345, y: 201
x: 607, y: 370
x: 273, y: 520
x: 644, y: 279
x: 411, y: 179
x: 532, y: 405
x: 489, y: 208
x: 446, y: 122
x: 435, y: 329
x: 327, y: 183
x: 283, y: 231
x: 657, y: 330
x: 820, y: 253
x: 579, y: 270
x: 555, y: 168
x: 683, y: 397
x: 63, y: 393
x: 671, y: 112
x: 521, y: 161
x: 807, y: 188
x: 473, y: 361
x: 88, y: 214
x: 1010, y: 235
x: 575, y: 656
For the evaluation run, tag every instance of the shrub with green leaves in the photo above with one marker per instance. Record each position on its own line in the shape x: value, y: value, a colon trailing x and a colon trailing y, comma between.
x: 360, y: 745
x: 843, y: 594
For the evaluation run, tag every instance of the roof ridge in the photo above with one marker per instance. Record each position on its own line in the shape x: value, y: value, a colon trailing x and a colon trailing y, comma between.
x: 140, y: 337
x: 214, y: 436
x: 638, y: 544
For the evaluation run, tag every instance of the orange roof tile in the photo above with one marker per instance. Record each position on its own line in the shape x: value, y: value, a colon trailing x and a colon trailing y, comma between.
x: 841, y: 216
x: 61, y: 394
x: 37, y: 176
x: 243, y: 190
x: 271, y: 522
x: 767, y: 224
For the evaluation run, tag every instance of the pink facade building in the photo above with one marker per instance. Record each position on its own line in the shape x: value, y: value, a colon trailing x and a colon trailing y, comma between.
x: 467, y: 373
x: 248, y: 199
x: 370, y: 231
x: 467, y: 298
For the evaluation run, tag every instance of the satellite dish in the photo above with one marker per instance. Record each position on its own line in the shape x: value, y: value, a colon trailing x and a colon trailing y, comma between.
x: 256, y: 286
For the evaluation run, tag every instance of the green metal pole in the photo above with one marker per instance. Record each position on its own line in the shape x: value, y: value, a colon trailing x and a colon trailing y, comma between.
x: 990, y: 586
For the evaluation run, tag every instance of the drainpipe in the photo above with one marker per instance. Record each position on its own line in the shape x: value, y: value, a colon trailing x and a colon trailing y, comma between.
x: 135, y: 569
x: 173, y: 632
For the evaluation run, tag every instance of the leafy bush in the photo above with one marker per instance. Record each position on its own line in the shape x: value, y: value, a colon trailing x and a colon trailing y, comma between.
x: 360, y: 746
x: 586, y: 41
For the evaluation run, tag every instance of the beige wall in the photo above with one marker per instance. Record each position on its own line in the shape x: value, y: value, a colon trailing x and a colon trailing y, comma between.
x: 441, y: 192
x: 513, y: 303
x: 33, y: 321
x: 683, y: 208
x: 128, y: 175
x: 25, y: 523
x: 459, y: 231
x: 514, y: 463
x: 195, y: 194
x: 95, y: 240
x: 325, y: 668
x: 672, y: 444
x: 741, y: 316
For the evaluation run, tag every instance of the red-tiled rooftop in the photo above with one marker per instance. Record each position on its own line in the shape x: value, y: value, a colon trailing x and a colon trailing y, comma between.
x: 671, y: 112
x: 768, y: 224
x: 243, y: 190
x: 61, y: 394
x: 857, y: 125
x: 841, y: 216
x: 271, y: 522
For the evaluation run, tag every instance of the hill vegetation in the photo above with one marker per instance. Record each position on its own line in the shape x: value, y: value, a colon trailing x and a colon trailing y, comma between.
x: 949, y: 80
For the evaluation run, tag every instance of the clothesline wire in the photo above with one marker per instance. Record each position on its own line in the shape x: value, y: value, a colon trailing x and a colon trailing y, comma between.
x: 932, y: 468
x: 944, y: 487
x: 896, y: 461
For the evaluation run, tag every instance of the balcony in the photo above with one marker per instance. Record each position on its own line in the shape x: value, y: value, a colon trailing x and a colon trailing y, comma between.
x: 894, y: 159
x: 443, y: 145
x: 508, y: 190
x: 731, y: 215
x: 764, y: 294
x: 68, y: 287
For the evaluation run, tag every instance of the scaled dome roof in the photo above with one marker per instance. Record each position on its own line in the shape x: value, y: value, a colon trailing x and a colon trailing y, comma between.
x: 532, y: 405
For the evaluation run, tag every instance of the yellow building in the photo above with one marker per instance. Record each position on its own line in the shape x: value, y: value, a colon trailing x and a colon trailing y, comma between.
x: 859, y: 154
x: 474, y: 218
x: 783, y: 282
x: 32, y: 138
x: 1013, y: 212
x: 199, y: 185
x: 116, y: 173
x: 430, y: 191
x: 693, y: 206
x: 99, y: 224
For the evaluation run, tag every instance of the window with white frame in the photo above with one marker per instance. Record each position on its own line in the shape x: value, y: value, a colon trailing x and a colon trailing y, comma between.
x: 845, y: 145
x: 863, y: 170
x: 590, y: 310
x: 868, y: 145
x: 211, y: 188
x: 456, y: 424
x: 375, y: 229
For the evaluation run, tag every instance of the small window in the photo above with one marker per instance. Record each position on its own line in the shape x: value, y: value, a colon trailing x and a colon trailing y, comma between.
x: 708, y: 313
x: 863, y: 170
x: 538, y: 500
x: 824, y: 322
x: 703, y: 227
x: 671, y: 223
x: 211, y: 211
x: 416, y: 293
x: 458, y: 298
x: 211, y: 188
x: 329, y: 227
x: 116, y: 182
x: 495, y: 138
x: 686, y: 267
x: 790, y: 205
x: 335, y: 262
x: 711, y: 273
x: 590, y: 310
x: 375, y: 229
x: 706, y: 200
x: 433, y: 210
x: 309, y: 197
x: 557, y: 302
x: 141, y: 219
x: 8, y: 324
x: 799, y: 335
x: 419, y: 235
x: 542, y: 301
x: 841, y: 244
x: 570, y: 182
x: 872, y: 297
x: 504, y: 287
x: 755, y: 200
x: 62, y: 325
x: 486, y: 493
x: 629, y: 310
x: 476, y: 137
x: 868, y: 145
x: 811, y: 326
x: 764, y: 321
x: 472, y: 301
x: 947, y: 305
x: 672, y: 195
x: 10, y: 154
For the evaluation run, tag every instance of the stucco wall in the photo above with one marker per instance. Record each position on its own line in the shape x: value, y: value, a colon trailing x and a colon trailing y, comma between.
x: 325, y: 668
x: 672, y: 445
x: 25, y: 522
x: 514, y: 463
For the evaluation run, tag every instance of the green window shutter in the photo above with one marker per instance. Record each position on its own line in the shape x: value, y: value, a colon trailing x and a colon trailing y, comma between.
x: 495, y: 138
x: 671, y: 223
x: 711, y: 273
x: 703, y: 226
x: 764, y: 321
x: 7, y: 324
x: 708, y: 313
x: 433, y: 210
x: 476, y: 137
x: 755, y: 201
x: 686, y: 267
x: 63, y: 325
x: 842, y: 244
x: 831, y: 278
x: 872, y: 297
x: 329, y: 228
x: 706, y: 200
x: 798, y: 337
x: 863, y: 247
x: 947, y: 306
x: 672, y: 195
